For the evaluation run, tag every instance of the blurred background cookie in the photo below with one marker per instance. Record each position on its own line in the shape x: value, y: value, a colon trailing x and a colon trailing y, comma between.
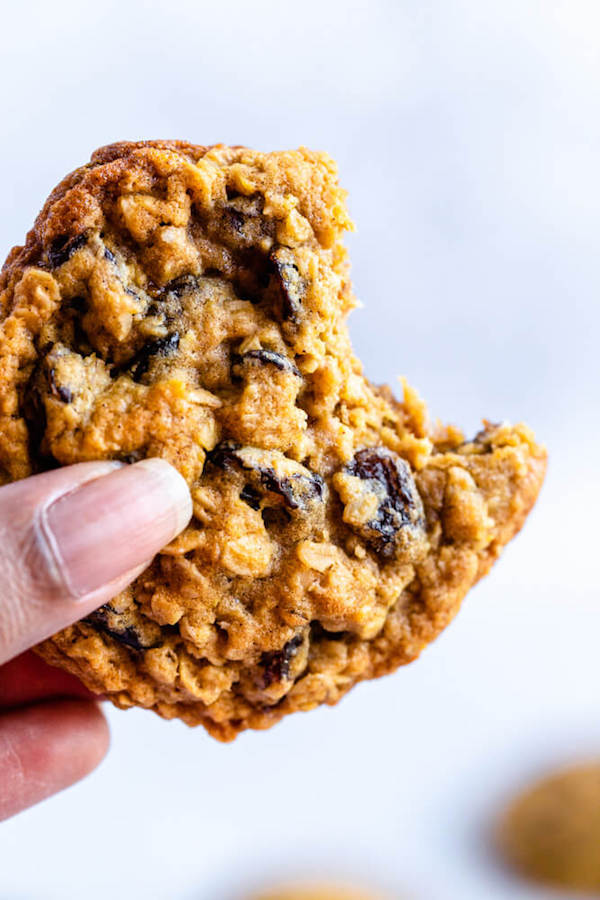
x: 551, y: 831
x: 319, y: 891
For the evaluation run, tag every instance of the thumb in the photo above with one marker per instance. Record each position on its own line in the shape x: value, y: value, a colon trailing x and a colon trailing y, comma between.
x: 72, y: 538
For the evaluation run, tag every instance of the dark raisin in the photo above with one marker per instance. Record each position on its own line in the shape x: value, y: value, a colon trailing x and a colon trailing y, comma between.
x: 399, y: 520
x: 296, y: 490
x: 224, y: 455
x: 109, y: 255
x: 250, y: 496
x: 65, y: 394
x: 290, y: 285
x: 106, y: 619
x: 62, y: 249
x: 168, y: 305
x: 162, y: 347
x: 482, y: 438
x: 58, y: 390
x: 272, y: 470
x: 240, y: 221
x: 181, y: 285
x: 276, y: 665
x: 275, y: 359
x: 235, y: 220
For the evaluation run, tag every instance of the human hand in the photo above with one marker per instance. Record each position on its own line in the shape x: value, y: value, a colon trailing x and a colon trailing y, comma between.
x: 70, y: 540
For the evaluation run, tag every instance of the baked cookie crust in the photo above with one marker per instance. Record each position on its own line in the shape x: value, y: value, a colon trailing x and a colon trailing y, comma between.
x: 190, y: 303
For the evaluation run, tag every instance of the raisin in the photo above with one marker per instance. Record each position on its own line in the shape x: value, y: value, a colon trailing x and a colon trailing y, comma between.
x: 168, y: 304
x: 65, y: 394
x: 234, y: 220
x: 398, y: 523
x: 250, y: 496
x: 274, y: 472
x: 276, y: 665
x: 224, y: 455
x: 62, y: 249
x: 275, y: 359
x: 107, y: 620
x: 240, y: 220
x: 482, y: 440
x: 58, y: 390
x: 296, y: 490
x: 162, y: 347
x: 291, y: 287
x: 184, y: 284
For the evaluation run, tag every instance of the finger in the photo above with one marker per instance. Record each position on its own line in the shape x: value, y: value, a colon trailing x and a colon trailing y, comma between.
x: 27, y: 678
x: 67, y: 545
x: 47, y: 747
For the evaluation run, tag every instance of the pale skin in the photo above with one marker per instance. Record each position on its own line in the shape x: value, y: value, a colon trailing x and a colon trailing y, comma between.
x: 70, y: 540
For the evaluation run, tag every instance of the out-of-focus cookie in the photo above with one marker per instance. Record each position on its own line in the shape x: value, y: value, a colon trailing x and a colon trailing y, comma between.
x: 551, y: 832
x: 319, y: 892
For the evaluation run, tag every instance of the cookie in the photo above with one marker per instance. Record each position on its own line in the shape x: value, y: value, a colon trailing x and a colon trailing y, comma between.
x: 551, y: 832
x: 190, y: 303
x: 318, y: 892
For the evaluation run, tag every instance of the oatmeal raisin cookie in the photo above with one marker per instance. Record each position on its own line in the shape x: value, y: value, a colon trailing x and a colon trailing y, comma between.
x: 190, y: 303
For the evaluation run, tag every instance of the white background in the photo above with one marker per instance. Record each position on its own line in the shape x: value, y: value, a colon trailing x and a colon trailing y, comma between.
x: 468, y: 135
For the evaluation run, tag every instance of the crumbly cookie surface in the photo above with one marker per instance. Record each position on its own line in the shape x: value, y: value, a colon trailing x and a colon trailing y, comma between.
x: 551, y: 832
x: 190, y: 303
